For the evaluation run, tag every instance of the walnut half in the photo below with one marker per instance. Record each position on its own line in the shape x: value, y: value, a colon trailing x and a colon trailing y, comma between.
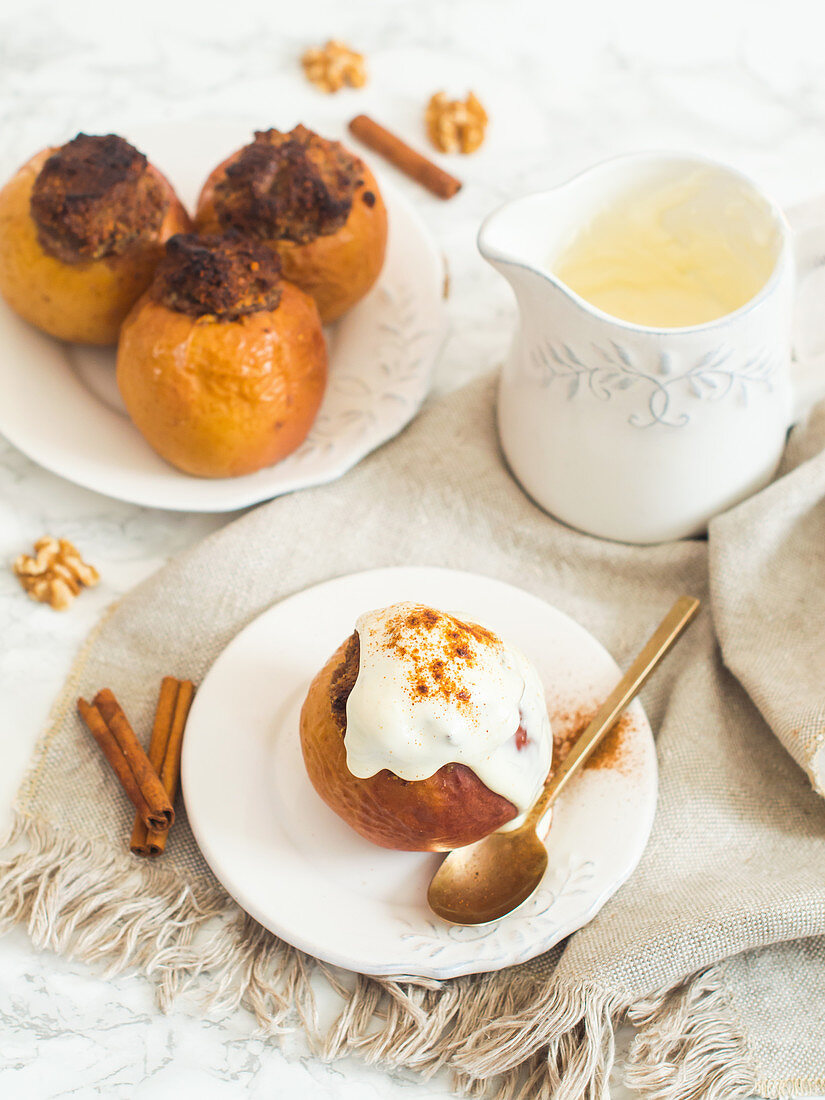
x: 333, y: 66
x: 455, y: 125
x: 55, y: 574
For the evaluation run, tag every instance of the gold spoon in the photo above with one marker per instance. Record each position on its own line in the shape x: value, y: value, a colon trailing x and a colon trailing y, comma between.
x: 488, y: 879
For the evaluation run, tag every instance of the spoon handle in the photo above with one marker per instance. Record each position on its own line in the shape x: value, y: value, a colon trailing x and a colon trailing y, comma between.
x: 661, y: 641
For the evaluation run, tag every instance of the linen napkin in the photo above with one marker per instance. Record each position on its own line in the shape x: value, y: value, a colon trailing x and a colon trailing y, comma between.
x: 715, y: 948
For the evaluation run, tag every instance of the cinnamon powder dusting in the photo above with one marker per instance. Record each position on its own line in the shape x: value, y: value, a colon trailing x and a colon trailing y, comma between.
x: 613, y: 750
x: 94, y: 197
x: 439, y: 649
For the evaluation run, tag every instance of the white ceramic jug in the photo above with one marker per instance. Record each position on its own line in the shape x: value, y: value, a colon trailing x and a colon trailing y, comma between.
x: 635, y: 433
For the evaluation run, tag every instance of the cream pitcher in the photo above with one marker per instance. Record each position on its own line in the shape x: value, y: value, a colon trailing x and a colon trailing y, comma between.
x: 638, y: 402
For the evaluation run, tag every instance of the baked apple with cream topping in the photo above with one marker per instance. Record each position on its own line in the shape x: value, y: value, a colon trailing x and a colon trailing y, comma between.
x: 222, y: 364
x: 82, y: 229
x: 314, y: 202
x: 425, y: 731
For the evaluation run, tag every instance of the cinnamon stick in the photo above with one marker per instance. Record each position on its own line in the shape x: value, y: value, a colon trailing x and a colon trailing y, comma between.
x: 137, y: 784
x: 140, y: 843
x: 165, y: 746
x: 410, y: 162
x: 151, y: 788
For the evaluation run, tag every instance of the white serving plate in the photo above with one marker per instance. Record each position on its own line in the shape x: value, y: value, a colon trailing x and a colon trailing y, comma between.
x: 59, y: 403
x: 300, y: 871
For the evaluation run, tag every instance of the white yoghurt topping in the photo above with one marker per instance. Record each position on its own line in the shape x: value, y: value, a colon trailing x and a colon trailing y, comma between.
x: 433, y: 689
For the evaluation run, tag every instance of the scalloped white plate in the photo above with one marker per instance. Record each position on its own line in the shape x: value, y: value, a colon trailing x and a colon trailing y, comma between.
x: 59, y: 403
x: 300, y: 871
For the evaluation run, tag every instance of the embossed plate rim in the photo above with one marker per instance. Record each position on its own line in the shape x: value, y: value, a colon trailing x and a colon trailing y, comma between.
x: 303, y: 874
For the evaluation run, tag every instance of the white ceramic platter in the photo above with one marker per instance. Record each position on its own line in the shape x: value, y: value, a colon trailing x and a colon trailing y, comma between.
x: 304, y: 874
x: 59, y: 403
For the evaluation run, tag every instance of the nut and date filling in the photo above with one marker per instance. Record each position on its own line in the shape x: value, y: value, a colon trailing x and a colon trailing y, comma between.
x: 95, y: 197
x: 343, y: 681
x: 292, y: 186
x: 220, y: 277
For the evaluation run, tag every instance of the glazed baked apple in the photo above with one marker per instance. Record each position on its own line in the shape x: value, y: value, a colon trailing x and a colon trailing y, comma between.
x: 426, y: 732
x: 82, y: 229
x: 314, y: 202
x: 222, y: 364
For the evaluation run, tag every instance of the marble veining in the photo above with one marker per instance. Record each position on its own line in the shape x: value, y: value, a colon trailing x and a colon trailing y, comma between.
x: 738, y: 82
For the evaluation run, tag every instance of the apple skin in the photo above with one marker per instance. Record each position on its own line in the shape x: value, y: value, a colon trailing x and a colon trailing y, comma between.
x: 448, y: 810
x: 83, y: 303
x: 337, y: 269
x: 223, y: 399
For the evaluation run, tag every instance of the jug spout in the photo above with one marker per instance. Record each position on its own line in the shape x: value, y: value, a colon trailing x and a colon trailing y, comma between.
x: 514, y: 238
x: 519, y: 240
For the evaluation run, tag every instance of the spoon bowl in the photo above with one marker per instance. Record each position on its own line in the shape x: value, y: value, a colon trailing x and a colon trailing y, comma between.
x: 488, y: 879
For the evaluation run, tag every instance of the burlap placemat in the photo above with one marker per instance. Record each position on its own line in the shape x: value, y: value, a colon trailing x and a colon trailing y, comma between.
x: 716, y: 946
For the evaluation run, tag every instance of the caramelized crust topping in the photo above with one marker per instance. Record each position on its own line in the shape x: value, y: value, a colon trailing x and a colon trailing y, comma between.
x: 292, y: 186
x: 95, y: 197
x: 222, y: 277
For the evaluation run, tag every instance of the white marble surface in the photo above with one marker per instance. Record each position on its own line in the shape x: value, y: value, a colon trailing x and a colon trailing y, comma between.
x: 741, y: 80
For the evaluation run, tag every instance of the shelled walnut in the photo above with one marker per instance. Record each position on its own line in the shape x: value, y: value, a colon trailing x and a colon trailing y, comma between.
x: 56, y: 573
x: 333, y: 66
x: 455, y: 125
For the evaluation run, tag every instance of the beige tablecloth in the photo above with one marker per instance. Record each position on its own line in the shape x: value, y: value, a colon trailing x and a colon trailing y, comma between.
x: 715, y: 947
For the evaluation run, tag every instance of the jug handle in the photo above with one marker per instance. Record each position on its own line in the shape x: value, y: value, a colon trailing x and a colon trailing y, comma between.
x: 807, y: 222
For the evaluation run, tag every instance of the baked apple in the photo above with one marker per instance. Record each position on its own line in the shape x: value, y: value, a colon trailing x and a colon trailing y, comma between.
x: 82, y: 229
x: 222, y: 364
x: 314, y: 202
x: 426, y: 732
